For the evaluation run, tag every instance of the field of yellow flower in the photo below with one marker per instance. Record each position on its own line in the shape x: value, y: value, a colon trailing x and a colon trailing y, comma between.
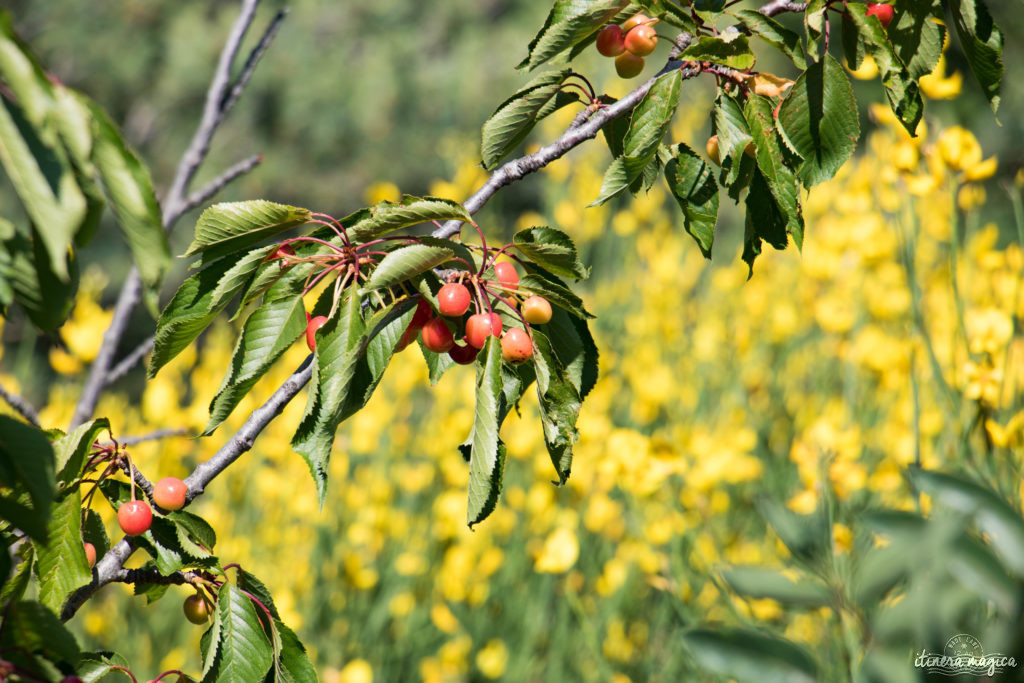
x: 892, y: 341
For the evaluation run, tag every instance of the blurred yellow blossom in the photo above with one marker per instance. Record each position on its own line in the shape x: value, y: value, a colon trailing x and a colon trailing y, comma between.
x: 492, y: 659
x: 559, y: 552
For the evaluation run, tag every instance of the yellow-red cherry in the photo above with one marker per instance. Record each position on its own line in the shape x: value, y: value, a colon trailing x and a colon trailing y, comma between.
x: 196, y: 610
x: 641, y: 40
x: 516, y: 346
x: 635, y: 20
x: 436, y: 336
x: 536, y: 310
x: 629, y: 65
x: 90, y: 553
x: 314, y: 324
x: 453, y: 299
x: 506, y: 274
x: 135, y: 517
x: 610, y: 41
x: 481, y: 326
x: 170, y: 493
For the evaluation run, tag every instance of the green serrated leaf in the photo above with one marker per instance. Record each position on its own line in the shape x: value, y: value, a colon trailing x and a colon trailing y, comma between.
x: 819, y: 121
x: 93, y: 531
x: 31, y: 627
x: 129, y: 189
x: 196, y: 527
x: 245, y: 653
x: 691, y: 181
x: 514, y: 118
x: 188, y: 313
x: 616, y: 180
x: 268, y: 332
x: 71, y: 450
x: 772, y: 32
x: 649, y: 123
x: 249, y: 583
x: 772, y: 162
x: 764, y: 221
x: 367, y: 224
x: 749, y: 655
x: 917, y: 33
x: 554, y: 291
x: 405, y: 263
x: 94, y: 666
x: 61, y: 565
x: 559, y: 402
x: 41, y: 173
x: 25, y: 268
x: 570, y: 22
x: 733, y: 52
x: 294, y: 665
x: 338, y: 349
x: 982, y: 43
x: 487, y: 455
x: 241, y: 275
x: 551, y: 249
x: 733, y: 137
x: 233, y: 226
x: 26, y: 464
x: 761, y: 582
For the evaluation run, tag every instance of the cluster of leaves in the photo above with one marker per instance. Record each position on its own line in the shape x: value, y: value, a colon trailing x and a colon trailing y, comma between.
x: 45, y: 526
x: 966, y: 552
x: 371, y: 285
x: 774, y: 141
x: 66, y: 160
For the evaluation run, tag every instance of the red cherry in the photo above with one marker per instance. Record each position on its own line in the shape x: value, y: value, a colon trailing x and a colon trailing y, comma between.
x: 641, y: 40
x: 421, y: 316
x: 196, y: 610
x: 90, y: 554
x: 135, y: 517
x: 436, y: 336
x: 609, y: 41
x: 634, y: 20
x: 453, y: 299
x: 506, y: 274
x: 311, y: 328
x: 882, y: 11
x: 463, y: 354
x: 536, y: 310
x: 628, y: 65
x: 170, y: 493
x: 516, y: 346
x: 480, y: 326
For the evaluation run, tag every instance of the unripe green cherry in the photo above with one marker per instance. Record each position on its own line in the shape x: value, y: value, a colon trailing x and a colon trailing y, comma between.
x: 196, y: 610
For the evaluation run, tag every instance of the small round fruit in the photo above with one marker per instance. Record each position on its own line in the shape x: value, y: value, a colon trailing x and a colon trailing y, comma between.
x: 421, y: 316
x: 196, y: 609
x: 463, y: 354
x: 628, y: 65
x: 882, y: 11
x: 436, y: 336
x: 170, y: 493
x: 311, y: 328
x: 516, y: 346
x: 90, y: 554
x: 712, y: 150
x: 641, y: 40
x: 635, y: 20
x: 453, y: 299
x: 135, y: 517
x: 481, y: 326
x: 610, y: 41
x: 536, y: 310
x: 506, y: 274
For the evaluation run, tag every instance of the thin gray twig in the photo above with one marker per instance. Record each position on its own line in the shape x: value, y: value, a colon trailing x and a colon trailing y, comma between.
x: 23, y: 407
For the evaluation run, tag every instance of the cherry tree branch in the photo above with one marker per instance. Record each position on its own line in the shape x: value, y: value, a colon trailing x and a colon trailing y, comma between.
x: 130, y: 361
x: 23, y: 407
x: 220, y: 98
x: 779, y: 6
x: 109, y: 568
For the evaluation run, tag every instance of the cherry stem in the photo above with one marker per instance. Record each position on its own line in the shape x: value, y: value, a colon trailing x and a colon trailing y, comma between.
x: 590, y: 88
x: 125, y: 670
x: 483, y: 243
x: 511, y: 305
x: 168, y: 673
x: 334, y: 221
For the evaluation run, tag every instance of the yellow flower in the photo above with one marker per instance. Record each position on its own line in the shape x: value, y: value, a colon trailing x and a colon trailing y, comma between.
x: 983, y: 170
x: 63, y: 362
x: 401, y: 605
x: 560, y: 551
x: 443, y: 618
x: 492, y: 659
x: 382, y: 192
x: 988, y: 330
x: 938, y: 86
x: 357, y: 671
x: 1009, y: 436
x: 842, y: 538
x: 958, y: 148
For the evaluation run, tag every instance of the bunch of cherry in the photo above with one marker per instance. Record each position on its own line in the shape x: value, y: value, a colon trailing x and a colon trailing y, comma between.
x: 463, y: 291
x: 629, y: 44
